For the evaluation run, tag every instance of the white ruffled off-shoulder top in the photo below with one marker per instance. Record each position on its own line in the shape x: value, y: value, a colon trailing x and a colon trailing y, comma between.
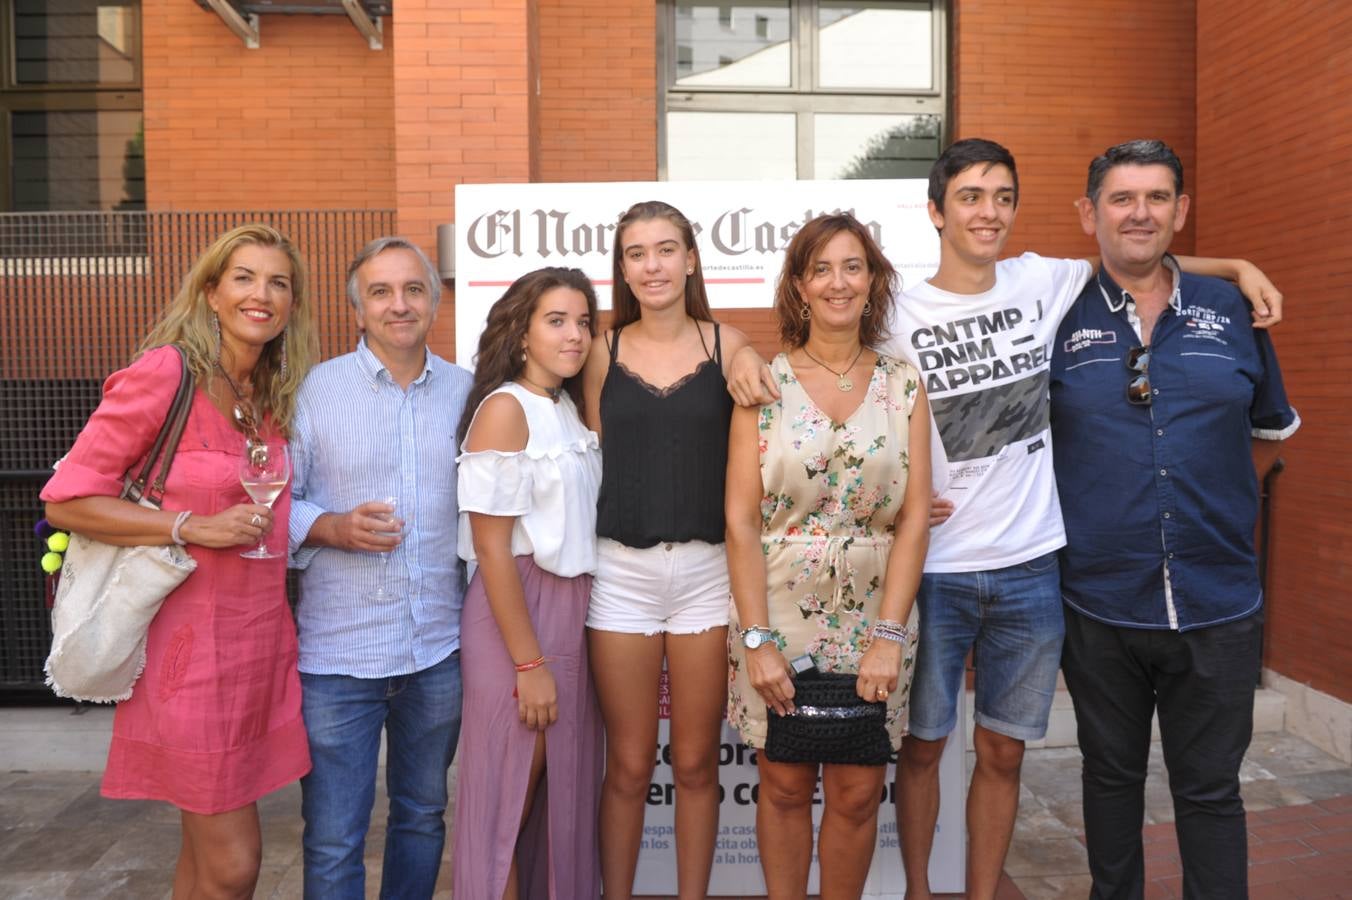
x: 550, y: 487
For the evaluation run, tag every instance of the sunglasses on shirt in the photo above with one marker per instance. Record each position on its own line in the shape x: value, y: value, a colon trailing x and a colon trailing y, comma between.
x: 1138, y: 388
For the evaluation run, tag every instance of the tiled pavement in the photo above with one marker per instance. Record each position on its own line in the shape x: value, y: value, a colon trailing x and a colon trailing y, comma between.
x: 58, y: 838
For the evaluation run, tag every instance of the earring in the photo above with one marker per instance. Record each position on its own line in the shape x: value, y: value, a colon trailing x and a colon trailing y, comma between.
x: 805, y: 313
x: 216, y: 334
x: 282, y: 375
x: 868, y: 309
x: 690, y: 271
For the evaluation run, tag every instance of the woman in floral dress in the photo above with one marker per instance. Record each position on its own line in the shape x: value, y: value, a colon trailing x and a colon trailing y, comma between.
x: 827, y: 512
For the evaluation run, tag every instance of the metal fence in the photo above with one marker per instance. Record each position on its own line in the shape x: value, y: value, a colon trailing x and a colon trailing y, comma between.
x: 78, y: 291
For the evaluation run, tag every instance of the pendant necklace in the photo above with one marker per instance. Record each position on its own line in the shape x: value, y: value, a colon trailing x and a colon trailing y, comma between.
x: 244, y: 409
x: 843, y: 382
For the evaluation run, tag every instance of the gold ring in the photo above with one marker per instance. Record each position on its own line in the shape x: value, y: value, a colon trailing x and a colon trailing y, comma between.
x: 256, y: 520
x: 882, y: 694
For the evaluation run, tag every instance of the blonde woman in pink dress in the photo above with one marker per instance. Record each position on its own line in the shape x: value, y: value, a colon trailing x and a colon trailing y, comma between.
x: 214, y: 721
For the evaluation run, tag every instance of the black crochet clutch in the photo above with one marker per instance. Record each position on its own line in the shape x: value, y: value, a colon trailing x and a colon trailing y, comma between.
x: 830, y: 724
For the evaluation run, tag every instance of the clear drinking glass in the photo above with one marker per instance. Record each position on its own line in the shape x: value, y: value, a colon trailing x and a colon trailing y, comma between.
x: 380, y: 594
x: 264, y: 469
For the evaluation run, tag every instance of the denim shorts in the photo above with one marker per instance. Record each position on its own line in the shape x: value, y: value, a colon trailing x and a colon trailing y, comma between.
x: 675, y: 588
x: 1011, y: 619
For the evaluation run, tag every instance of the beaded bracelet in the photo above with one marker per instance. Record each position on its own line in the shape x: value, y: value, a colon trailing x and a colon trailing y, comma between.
x: 178, y: 523
x: 533, y: 664
x: 888, y: 630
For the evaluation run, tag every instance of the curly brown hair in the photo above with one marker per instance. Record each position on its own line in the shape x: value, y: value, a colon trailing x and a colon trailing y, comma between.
x: 624, y: 306
x: 806, y: 244
x: 499, y: 357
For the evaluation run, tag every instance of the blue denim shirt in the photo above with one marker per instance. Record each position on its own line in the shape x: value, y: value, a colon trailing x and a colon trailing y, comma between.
x: 1160, y: 502
x: 359, y: 436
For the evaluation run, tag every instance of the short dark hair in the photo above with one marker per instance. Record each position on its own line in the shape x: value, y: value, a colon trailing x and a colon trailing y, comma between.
x: 1133, y: 153
x: 962, y: 155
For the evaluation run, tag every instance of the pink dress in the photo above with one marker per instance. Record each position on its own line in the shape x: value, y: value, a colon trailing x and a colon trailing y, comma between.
x: 214, y: 721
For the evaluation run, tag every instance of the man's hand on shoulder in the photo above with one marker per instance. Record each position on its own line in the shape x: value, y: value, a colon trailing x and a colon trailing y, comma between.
x: 366, y: 528
x: 750, y: 381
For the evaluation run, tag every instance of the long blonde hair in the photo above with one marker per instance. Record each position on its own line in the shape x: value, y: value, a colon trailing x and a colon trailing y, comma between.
x: 187, y: 322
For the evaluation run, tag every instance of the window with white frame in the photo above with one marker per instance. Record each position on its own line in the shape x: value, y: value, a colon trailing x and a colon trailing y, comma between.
x: 770, y: 89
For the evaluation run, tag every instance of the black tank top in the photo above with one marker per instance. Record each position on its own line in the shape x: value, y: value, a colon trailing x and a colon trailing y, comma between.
x: 664, y: 454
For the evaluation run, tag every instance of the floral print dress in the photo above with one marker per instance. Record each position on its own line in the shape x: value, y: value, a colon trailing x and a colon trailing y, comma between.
x: 832, y: 493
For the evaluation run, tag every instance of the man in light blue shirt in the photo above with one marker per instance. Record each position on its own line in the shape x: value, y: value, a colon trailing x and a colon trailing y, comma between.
x: 373, y: 531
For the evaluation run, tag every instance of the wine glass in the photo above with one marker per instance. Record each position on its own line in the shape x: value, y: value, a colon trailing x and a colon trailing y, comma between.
x: 380, y: 594
x: 264, y: 469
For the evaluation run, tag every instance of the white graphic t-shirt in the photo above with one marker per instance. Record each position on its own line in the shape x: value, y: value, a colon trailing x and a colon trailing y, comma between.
x: 984, y: 361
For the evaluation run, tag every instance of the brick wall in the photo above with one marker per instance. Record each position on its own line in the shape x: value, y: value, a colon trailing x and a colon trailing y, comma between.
x: 303, y: 122
x: 1058, y: 81
x: 1274, y: 136
x: 598, y: 90
x: 462, y: 112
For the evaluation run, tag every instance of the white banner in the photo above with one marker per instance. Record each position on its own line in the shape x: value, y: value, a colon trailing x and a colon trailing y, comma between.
x: 504, y: 231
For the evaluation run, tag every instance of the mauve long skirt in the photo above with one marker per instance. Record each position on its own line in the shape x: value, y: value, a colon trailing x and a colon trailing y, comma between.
x: 557, y: 849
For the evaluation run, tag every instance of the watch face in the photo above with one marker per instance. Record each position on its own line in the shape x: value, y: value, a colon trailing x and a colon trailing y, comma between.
x: 754, y: 639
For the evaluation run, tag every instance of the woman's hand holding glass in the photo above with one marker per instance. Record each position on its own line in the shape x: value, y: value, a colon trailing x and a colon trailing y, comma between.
x: 769, y: 673
x: 238, y: 526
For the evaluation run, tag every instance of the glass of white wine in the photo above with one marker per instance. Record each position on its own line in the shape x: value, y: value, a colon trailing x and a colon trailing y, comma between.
x: 382, y: 593
x: 264, y: 469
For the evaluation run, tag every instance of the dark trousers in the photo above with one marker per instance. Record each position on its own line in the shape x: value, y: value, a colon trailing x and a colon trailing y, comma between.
x: 1202, y: 684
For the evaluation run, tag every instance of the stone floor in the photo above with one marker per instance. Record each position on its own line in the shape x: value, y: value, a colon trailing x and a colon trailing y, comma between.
x: 58, y: 838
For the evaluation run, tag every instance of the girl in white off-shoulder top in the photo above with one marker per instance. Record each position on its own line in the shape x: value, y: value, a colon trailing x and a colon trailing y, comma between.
x: 528, y: 479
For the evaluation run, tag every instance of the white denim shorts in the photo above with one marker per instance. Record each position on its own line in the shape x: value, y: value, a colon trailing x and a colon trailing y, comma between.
x: 677, y: 588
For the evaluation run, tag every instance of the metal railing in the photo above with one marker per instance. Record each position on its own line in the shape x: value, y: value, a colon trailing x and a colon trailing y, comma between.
x: 78, y: 291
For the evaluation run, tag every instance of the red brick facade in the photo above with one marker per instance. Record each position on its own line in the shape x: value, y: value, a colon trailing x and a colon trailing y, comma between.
x: 1274, y: 139
x: 304, y: 122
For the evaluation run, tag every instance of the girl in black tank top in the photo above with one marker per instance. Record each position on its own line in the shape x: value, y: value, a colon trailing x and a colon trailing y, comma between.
x: 660, y: 403
x: 667, y: 446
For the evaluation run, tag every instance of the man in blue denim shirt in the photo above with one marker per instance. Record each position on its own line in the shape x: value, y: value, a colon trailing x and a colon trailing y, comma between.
x: 381, y: 586
x: 1167, y: 406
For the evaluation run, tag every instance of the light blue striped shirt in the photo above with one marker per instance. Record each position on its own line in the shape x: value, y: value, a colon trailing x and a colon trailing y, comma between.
x: 358, y: 436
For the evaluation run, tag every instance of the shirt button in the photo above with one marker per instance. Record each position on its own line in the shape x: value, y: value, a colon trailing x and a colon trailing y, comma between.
x: 1159, y: 432
x: 1171, y: 555
x: 1166, y: 515
x: 1156, y: 392
x: 1164, y: 471
x: 668, y: 548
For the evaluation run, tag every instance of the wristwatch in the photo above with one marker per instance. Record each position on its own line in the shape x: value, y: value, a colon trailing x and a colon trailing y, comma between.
x: 756, y: 635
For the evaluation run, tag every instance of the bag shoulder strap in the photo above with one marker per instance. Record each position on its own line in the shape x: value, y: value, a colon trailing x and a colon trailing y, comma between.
x: 166, y: 442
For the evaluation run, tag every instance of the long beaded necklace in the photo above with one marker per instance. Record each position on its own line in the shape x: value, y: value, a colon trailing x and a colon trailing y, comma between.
x: 843, y: 382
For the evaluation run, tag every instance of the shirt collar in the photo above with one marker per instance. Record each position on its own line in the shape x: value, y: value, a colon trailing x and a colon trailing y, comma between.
x: 374, y: 370
x: 1117, y: 298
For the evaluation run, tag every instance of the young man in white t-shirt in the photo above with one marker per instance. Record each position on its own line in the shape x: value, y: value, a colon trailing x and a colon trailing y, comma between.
x: 980, y: 332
